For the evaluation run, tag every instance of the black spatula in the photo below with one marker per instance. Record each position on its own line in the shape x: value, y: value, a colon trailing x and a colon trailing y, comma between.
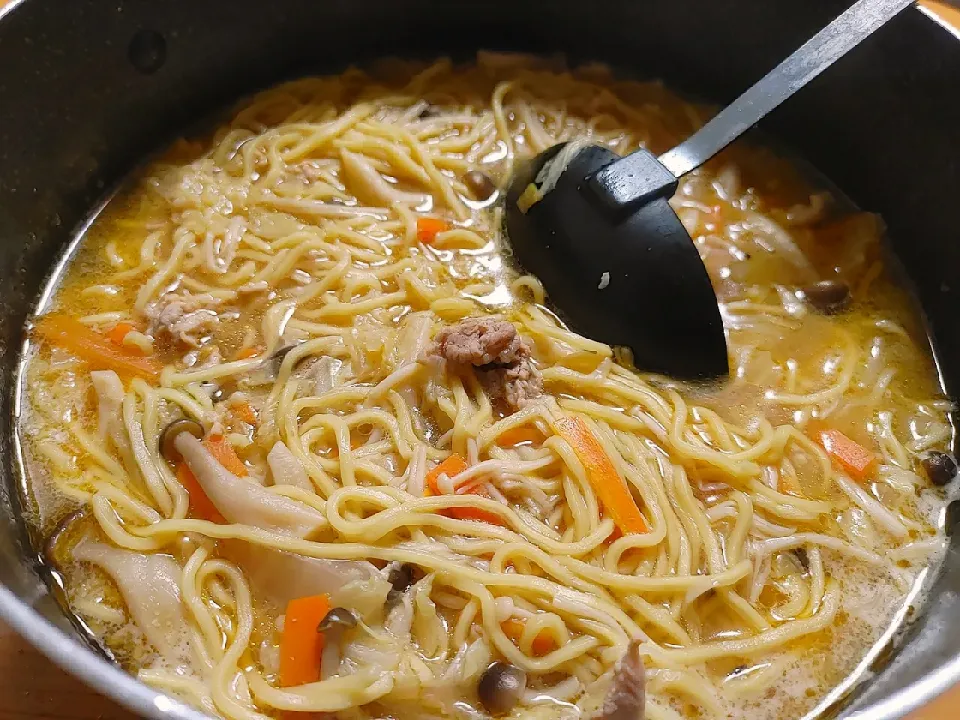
x: 611, y: 253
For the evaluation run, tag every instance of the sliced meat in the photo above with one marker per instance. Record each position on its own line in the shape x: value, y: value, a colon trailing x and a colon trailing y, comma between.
x: 627, y: 695
x: 185, y: 317
x: 498, y: 355
x: 513, y: 384
x: 481, y: 341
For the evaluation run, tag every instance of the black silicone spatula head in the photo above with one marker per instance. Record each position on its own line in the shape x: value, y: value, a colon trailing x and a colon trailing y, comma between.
x: 631, y: 279
x: 599, y: 232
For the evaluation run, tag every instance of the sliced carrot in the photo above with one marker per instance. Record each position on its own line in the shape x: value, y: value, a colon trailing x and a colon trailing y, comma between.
x: 451, y: 466
x: 200, y: 505
x: 789, y: 485
x: 249, y: 352
x: 611, y: 489
x: 474, y: 513
x: 854, y: 458
x: 93, y: 348
x: 301, y: 643
x: 225, y: 454
x: 119, y: 332
x: 542, y: 644
x: 518, y: 435
x: 428, y: 228
x: 245, y: 412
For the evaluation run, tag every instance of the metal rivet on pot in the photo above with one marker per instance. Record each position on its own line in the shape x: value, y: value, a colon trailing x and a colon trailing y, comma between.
x: 147, y: 51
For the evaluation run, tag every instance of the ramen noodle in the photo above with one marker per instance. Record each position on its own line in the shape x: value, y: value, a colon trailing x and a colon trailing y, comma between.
x: 304, y: 443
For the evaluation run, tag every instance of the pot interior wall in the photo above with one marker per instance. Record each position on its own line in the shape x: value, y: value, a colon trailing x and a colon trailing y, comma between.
x: 88, y: 88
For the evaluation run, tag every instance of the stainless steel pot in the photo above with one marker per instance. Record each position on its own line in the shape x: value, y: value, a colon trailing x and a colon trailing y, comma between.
x: 90, y: 87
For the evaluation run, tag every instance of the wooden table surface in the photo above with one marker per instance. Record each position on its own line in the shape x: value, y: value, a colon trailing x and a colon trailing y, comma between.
x: 32, y: 688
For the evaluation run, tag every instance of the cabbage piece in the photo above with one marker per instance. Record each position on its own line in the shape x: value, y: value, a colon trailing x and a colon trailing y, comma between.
x: 245, y: 502
x: 279, y: 577
x: 412, y: 338
x: 109, y: 390
x: 287, y: 469
x: 150, y: 586
x: 326, y: 373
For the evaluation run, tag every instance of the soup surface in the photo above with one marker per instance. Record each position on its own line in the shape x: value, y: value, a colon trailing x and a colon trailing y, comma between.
x: 304, y: 444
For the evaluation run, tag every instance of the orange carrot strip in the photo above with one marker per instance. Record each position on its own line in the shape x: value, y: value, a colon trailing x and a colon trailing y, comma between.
x: 428, y: 228
x: 474, y: 513
x: 611, y: 489
x: 517, y: 435
x: 200, y: 505
x: 850, y: 455
x: 225, y: 454
x: 789, y: 485
x: 249, y: 352
x: 119, y: 332
x: 302, y: 642
x: 542, y: 644
x: 245, y: 412
x: 93, y: 348
x: 451, y: 466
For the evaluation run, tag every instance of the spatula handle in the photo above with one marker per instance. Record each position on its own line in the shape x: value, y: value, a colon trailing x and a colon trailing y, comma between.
x: 624, y: 184
x: 816, y: 55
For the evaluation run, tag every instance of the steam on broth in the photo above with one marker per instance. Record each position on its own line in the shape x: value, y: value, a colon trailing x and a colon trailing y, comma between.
x: 333, y: 454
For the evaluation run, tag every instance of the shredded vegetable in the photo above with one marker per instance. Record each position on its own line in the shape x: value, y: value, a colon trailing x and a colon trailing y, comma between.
x: 95, y: 349
x: 201, y: 505
x: 245, y: 412
x: 428, y: 228
x: 603, y: 476
x: 119, y: 332
x: 225, y: 455
x: 249, y: 352
x: 451, y: 467
x: 301, y: 643
x: 858, y: 462
x: 518, y: 436
x: 542, y: 644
